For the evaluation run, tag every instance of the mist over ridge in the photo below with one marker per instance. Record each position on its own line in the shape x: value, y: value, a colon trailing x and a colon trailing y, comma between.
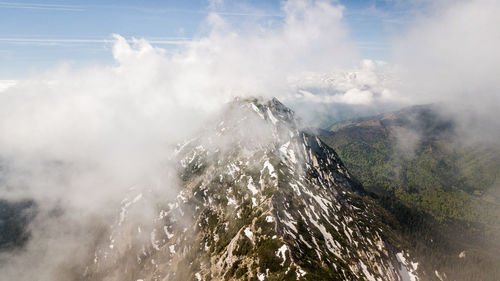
x: 76, y: 140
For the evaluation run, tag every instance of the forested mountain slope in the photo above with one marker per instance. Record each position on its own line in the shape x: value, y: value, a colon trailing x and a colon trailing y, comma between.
x: 438, y: 185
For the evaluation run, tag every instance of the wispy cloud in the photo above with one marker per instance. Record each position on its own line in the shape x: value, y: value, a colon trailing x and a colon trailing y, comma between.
x: 372, y: 45
x: 247, y: 14
x: 80, y: 8
x: 56, y: 41
x: 373, y: 13
x: 237, y: 13
x: 38, y: 6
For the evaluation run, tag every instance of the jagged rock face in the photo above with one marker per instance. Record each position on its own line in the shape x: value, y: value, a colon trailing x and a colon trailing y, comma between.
x: 260, y: 200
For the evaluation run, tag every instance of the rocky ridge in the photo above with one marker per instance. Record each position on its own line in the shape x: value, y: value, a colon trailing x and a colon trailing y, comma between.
x: 260, y: 199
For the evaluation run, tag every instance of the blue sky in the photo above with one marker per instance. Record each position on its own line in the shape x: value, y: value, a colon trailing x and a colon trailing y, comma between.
x: 35, y: 35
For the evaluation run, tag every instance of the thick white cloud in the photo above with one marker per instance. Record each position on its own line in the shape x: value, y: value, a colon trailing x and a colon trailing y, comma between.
x: 76, y: 139
x: 126, y: 113
x: 371, y: 82
x: 5, y: 84
x: 451, y: 54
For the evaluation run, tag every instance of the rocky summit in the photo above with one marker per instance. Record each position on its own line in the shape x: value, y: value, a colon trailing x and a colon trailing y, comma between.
x: 259, y: 198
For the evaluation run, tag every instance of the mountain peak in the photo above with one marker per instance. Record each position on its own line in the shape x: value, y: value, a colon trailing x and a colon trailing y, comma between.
x: 259, y: 199
x: 271, y: 109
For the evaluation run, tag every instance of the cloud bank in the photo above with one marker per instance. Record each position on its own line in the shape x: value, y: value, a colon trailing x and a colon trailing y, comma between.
x: 75, y: 140
x: 449, y: 54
